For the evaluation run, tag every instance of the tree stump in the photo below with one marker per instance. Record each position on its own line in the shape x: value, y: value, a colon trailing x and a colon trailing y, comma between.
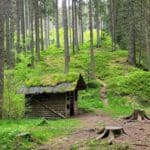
x: 137, y: 115
x: 110, y: 132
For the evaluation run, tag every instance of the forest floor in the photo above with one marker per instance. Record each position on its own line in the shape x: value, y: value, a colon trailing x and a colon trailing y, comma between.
x: 84, y: 138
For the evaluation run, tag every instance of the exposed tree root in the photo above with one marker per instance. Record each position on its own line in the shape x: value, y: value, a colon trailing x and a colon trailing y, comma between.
x: 110, y: 132
x: 137, y: 115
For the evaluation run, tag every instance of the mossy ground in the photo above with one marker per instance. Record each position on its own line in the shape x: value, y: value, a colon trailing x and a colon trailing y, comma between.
x: 9, y: 129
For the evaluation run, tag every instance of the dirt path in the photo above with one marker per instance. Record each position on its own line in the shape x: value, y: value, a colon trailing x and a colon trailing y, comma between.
x: 89, y: 122
x: 103, y: 92
x: 138, y: 134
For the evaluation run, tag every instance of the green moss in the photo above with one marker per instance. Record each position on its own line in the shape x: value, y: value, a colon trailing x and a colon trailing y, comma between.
x: 135, y: 84
x: 52, y: 79
x: 9, y: 129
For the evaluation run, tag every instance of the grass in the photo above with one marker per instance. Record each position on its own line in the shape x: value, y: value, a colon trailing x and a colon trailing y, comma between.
x: 9, y: 129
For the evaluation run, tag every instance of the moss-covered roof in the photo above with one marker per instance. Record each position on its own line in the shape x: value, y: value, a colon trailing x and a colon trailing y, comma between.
x: 55, y: 83
x: 51, y: 80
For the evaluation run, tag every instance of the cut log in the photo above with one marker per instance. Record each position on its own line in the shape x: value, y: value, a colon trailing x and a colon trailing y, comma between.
x: 110, y: 132
x: 137, y: 115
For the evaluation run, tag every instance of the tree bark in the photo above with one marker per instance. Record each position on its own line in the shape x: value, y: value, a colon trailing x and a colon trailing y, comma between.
x: 32, y: 31
x: 57, y: 25
x: 37, y: 38
x: 132, y: 40
x: 23, y: 25
x: 65, y: 23
x: 1, y: 56
x: 18, y: 26
x: 92, y: 62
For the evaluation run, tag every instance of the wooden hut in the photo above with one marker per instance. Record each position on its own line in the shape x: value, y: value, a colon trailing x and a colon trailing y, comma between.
x: 56, y: 100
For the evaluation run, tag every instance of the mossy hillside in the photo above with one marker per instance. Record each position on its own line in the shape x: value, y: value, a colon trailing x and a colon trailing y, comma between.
x: 135, y: 84
x: 109, y: 66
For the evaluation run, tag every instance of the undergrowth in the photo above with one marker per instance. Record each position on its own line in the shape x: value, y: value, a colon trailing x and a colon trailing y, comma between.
x: 9, y: 129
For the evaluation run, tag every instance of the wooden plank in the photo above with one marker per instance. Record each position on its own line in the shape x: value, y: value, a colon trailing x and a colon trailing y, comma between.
x: 50, y: 109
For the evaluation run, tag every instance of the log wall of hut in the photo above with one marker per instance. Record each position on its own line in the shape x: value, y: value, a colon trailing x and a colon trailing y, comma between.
x: 36, y: 103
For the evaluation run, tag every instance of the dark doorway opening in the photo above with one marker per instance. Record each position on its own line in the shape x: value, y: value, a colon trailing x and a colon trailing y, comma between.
x: 71, y: 109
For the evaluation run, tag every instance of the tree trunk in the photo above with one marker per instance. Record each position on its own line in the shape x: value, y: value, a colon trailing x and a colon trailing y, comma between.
x: 18, y: 26
x: 147, y: 28
x: 66, y: 47
x: 76, y: 25
x: 7, y: 23
x: 92, y: 62
x: 37, y: 39
x: 32, y: 31
x: 132, y: 40
x: 42, y: 36
x: 57, y: 25
x: 113, y: 23
x: 23, y: 25
x: 97, y: 17
x: 1, y: 56
x: 73, y: 26
x: 81, y: 21
x: 46, y: 24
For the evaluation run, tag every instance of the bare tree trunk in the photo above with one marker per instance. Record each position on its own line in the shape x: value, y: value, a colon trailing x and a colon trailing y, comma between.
x: 7, y: 23
x: 57, y: 25
x: 42, y: 36
x: 69, y: 22
x: 46, y: 24
x: 65, y: 22
x: 37, y: 39
x: 113, y: 23
x: 76, y: 25
x: 32, y: 31
x: 18, y: 26
x: 23, y: 25
x: 132, y: 44
x: 97, y: 17
x: 92, y: 63
x: 81, y: 21
x: 1, y: 56
x: 147, y: 28
x: 73, y: 26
